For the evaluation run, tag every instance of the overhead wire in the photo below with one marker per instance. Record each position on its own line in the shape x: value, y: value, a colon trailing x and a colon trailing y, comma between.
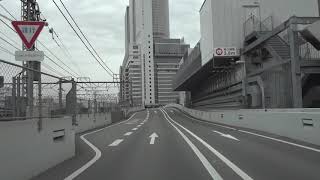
x: 84, y: 35
x: 111, y: 74
x: 62, y: 47
x: 45, y: 65
x: 37, y: 49
x: 7, y: 11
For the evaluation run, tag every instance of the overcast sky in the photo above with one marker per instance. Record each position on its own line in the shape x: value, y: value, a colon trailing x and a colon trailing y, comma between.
x: 103, y: 23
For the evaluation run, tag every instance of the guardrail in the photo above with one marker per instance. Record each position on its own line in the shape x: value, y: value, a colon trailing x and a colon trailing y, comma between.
x: 298, y: 124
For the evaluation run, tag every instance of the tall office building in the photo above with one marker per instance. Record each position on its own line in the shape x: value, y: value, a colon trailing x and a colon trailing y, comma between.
x: 147, y: 36
x: 160, y: 19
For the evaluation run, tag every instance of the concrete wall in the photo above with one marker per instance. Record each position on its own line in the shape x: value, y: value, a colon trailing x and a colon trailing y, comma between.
x: 25, y: 152
x: 298, y: 124
x: 90, y: 121
x: 129, y: 111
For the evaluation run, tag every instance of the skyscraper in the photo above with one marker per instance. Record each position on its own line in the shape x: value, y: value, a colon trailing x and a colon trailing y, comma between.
x: 160, y: 19
x: 149, y: 40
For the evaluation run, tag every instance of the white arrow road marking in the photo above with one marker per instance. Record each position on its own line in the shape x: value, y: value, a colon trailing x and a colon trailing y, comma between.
x: 226, y: 135
x: 128, y: 133
x: 235, y: 168
x: 134, y: 129
x: 153, y: 137
x: 94, y: 148
x: 116, y: 142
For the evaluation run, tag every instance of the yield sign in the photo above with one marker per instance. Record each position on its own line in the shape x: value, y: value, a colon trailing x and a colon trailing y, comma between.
x: 28, y: 31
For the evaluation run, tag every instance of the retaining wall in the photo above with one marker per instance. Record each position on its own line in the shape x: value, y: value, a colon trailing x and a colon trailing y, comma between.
x: 26, y: 152
x: 298, y: 124
x: 91, y: 121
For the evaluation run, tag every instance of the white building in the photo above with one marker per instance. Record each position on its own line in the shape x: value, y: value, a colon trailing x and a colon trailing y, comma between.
x: 141, y: 32
x: 224, y: 23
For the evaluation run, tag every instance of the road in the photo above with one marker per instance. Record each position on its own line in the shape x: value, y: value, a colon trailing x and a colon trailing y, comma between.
x: 165, y: 144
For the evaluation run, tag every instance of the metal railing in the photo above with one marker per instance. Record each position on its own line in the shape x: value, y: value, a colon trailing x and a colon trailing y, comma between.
x: 254, y: 24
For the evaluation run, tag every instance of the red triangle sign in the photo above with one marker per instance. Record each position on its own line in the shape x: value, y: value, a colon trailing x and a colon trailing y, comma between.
x: 28, y: 31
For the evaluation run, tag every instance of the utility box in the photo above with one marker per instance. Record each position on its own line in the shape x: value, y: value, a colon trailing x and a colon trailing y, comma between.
x: 1, y: 81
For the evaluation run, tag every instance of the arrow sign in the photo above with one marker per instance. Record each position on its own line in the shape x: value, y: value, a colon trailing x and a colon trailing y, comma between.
x: 226, y: 135
x: 153, y: 137
x: 28, y: 31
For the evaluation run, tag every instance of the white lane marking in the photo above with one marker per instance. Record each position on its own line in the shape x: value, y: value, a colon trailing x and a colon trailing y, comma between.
x: 263, y: 136
x: 235, y: 168
x: 139, y: 125
x: 282, y: 141
x: 223, y: 126
x: 134, y: 121
x: 226, y: 135
x: 211, y: 123
x: 116, y: 142
x: 153, y: 137
x: 128, y: 133
x: 213, y: 173
x: 134, y: 129
x: 95, y: 149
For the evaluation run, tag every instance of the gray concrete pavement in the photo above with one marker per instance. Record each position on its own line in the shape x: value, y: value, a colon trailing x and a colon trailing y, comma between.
x: 184, y: 148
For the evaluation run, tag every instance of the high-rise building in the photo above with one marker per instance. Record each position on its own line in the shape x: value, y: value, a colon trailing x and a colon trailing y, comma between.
x: 160, y: 19
x: 147, y: 29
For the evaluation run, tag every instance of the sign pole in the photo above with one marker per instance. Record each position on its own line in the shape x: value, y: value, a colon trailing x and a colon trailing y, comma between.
x: 30, y: 14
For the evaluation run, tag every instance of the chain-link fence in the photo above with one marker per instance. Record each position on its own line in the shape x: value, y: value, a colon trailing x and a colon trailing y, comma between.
x: 27, y: 93
x: 95, y: 98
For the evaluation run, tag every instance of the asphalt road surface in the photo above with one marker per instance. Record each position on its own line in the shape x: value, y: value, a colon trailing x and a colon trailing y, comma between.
x: 165, y: 144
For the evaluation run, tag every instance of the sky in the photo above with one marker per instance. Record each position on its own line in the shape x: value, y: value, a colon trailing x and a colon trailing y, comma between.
x: 102, y: 21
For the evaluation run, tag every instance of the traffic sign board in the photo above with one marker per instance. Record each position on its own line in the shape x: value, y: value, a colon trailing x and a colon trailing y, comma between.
x: 226, y: 52
x: 29, y: 56
x: 28, y: 31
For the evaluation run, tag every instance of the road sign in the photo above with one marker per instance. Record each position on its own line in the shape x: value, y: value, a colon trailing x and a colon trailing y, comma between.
x: 226, y: 52
x: 28, y: 31
x: 29, y: 56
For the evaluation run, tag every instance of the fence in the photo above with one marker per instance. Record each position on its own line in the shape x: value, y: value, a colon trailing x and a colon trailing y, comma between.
x: 27, y: 94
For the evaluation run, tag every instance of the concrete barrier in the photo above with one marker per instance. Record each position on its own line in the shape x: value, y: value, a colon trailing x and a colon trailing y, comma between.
x: 131, y: 110
x: 91, y: 121
x: 298, y: 124
x: 25, y: 152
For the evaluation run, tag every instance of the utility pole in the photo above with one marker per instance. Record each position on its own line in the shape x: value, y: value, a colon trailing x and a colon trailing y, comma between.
x: 30, y: 12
